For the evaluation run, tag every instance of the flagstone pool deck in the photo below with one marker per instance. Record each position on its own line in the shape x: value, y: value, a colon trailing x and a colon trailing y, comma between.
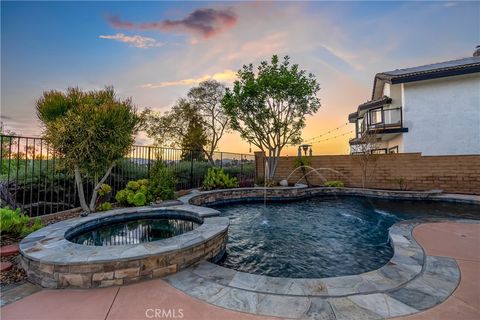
x: 458, y: 241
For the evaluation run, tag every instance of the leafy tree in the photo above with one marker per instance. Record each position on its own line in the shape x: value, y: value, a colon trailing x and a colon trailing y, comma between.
x: 207, y: 101
x: 268, y: 109
x: 195, y: 123
x: 180, y: 127
x: 90, y: 131
x: 194, y: 140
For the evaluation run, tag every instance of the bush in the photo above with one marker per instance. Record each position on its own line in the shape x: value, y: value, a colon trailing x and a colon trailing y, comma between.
x: 136, y: 193
x: 17, y: 224
x: 139, y: 199
x: 104, y: 190
x: 162, y: 182
x: 183, y: 170
x: 302, y: 161
x: 216, y: 178
x: 105, y: 206
x: 334, y: 184
x: 133, y: 185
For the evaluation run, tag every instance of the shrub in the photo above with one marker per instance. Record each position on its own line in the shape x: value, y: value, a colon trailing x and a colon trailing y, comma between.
x: 133, y: 185
x: 17, y: 224
x: 139, y: 199
x: 302, y: 161
x: 136, y: 193
x: 121, y: 196
x: 162, y: 182
x: 334, y: 184
x: 402, y: 183
x: 104, y: 190
x: 216, y: 178
x: 105, y: 206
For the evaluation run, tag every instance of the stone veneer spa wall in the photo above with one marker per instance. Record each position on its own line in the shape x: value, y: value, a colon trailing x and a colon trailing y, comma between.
x: 52, y: 261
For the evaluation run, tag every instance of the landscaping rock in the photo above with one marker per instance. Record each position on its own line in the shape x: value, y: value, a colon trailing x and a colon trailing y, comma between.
x: 5, y: 266
x: 10, y: 250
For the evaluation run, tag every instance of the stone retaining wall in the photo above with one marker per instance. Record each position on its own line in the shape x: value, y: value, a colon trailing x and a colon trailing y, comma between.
x: 453, y: 174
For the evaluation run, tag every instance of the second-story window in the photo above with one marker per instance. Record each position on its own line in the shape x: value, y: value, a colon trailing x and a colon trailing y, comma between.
x: 376, y: 116
x: 360, y: 126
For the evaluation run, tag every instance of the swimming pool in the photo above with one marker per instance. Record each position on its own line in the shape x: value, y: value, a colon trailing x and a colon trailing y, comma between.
x: 322, y: 236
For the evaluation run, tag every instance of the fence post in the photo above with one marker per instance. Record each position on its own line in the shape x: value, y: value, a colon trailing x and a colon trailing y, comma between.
x: 191, y: 169
x: 241, y: 167
x: 221, y: 160
x: 148, y: 162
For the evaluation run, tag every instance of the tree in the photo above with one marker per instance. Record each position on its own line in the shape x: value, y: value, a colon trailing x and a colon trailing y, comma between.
x: 268, y: 109
x: 207, y: 100
x: 197, y: 122
x: 365, y: 154
x: 90, y: 131
x: 194, y: 140
x: 181, y: 127
x: 7, y: 141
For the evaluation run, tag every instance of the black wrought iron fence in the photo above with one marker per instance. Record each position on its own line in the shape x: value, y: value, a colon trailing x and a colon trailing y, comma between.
x: 33, y: 178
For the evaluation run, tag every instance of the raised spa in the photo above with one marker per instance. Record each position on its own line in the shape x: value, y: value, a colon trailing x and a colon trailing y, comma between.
x: 122, y: 246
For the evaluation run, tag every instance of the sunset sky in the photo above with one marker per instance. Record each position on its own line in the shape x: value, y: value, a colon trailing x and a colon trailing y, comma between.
x: 154, y: 52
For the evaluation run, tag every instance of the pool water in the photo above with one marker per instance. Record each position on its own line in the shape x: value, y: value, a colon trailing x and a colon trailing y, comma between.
x: 134, y: 232
x: 323, y: 236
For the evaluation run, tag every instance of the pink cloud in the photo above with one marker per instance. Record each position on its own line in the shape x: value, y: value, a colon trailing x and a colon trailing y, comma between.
x: 134, y: 41
x: 205, y: 22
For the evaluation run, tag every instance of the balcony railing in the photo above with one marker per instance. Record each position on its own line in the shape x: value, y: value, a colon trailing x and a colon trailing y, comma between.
x: 379, y: 119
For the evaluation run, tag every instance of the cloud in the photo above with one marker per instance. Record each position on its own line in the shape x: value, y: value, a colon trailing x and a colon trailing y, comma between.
x: 134, y: 41
x: 449, y: 4
x: 225, y: 76
x: 205, y: 22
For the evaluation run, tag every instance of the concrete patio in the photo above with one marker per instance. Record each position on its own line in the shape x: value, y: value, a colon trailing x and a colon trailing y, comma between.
x: 459, y: 241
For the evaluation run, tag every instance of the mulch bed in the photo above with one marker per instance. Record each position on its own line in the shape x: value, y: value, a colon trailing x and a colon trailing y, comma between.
x: 17, y: 274
x: 14, y: 275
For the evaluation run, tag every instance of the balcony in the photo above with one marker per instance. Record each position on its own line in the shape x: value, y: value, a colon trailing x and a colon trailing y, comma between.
x: 381, y: 121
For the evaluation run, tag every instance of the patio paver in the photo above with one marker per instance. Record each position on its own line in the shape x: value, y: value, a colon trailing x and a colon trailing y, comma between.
x: 447, y: 239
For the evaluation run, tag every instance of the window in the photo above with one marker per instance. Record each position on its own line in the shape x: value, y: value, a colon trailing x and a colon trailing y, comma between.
x: 376, y: 116
x: 393, y: 149
x: 360, y: 126
x: 379, y: 151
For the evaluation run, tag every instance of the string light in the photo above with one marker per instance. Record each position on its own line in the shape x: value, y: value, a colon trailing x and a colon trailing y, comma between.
x: 328, y: 132
x: 334, y: 137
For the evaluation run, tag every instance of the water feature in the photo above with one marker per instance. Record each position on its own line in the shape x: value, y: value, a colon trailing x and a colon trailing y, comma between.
x: 284, y: 182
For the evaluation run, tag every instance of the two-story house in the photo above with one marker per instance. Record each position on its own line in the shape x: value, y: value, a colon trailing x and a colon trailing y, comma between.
x: 432, y: 109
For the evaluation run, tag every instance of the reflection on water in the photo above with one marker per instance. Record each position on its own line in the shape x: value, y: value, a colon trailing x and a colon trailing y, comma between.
x: 134, y: 232
x: 321, y: 237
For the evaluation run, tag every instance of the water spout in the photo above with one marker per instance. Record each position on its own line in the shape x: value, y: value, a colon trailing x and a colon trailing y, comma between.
x: 316, y: 171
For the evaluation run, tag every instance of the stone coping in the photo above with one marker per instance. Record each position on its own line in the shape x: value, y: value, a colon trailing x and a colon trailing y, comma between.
x: 212, y: 197
x: 410, y: 282
x: 49, y: 244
